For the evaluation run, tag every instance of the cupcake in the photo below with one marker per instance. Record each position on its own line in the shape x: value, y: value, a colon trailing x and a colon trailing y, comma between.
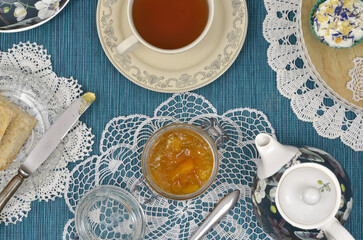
x: 338, y: 23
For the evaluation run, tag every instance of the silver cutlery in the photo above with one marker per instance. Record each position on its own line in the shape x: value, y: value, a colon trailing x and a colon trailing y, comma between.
x: 47, y: 145
x: 222, y: 208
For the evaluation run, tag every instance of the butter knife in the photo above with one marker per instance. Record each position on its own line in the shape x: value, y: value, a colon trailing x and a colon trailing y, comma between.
x: 47, y: 144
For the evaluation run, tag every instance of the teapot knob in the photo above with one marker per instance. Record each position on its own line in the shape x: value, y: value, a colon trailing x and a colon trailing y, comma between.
x: 262, y: 140
x: 311, y: 195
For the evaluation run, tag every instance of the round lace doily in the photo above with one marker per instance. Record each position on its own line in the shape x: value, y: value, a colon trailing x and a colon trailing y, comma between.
x: 356, y: 84
x: 26, y: 77
x: 119, y: 164
x: 311, y: 100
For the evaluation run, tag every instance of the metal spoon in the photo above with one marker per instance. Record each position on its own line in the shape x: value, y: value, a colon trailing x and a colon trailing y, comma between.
x: 222, y: 208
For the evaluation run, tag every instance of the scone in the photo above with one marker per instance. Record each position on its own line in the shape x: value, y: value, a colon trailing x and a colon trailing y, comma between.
x: 15, y: 134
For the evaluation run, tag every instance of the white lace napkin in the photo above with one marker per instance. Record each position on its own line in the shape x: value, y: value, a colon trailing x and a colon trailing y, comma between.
x: 356, y: 84
x: 310, y: 100
x: 26, y: 70
x: 119, y: 164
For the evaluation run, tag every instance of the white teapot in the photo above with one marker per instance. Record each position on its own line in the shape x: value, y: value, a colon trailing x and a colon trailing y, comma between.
x: 300, y: 193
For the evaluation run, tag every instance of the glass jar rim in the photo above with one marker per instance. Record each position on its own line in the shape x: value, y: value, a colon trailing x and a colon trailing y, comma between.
x: 118, y: 194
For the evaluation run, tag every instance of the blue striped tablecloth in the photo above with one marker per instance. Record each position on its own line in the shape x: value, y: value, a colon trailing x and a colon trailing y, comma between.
x: 71, y: 39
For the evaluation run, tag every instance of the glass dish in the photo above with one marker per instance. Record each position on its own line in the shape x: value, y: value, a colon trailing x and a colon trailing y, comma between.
x: 109, y: 212
x: 154, y: 138
x: 33, y: 96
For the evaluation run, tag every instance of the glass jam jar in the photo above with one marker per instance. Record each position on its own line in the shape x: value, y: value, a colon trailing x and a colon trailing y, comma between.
x: 180, y: 161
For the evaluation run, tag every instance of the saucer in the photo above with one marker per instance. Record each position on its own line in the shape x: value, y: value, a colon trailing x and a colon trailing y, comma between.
x: 17, y: 16
x: 180, y: 72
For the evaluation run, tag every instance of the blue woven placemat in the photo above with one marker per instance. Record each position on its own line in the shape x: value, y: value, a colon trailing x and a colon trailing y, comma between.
x: 72, y: 41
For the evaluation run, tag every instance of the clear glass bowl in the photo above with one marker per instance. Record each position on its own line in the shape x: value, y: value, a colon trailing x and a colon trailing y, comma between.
x: 109, y: 212
x: 154, y: 138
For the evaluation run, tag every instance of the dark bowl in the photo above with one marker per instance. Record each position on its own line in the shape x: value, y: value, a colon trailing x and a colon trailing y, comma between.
x: 17, y: 16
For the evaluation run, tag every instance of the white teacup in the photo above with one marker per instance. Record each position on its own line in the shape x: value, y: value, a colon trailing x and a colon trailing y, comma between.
x: 136, y: 39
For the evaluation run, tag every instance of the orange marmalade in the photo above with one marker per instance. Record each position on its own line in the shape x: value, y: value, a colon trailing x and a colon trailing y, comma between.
x: 180, y: 161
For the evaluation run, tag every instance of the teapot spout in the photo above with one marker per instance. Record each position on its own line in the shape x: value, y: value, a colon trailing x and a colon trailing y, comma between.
x: 273, y: 155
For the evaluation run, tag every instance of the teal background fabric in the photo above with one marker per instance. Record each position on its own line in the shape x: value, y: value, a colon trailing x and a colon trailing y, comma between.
x: 71, y: 39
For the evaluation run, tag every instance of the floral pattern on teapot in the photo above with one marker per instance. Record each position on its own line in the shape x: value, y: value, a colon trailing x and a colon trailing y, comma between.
x: 264, y: 191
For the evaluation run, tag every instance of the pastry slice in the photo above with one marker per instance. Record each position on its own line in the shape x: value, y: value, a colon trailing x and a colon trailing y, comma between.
x: 6, y: 116
x: 15, y: 134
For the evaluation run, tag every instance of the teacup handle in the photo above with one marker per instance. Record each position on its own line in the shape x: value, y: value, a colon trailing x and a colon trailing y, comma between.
x: 335, y: 231
x: 128, y: 45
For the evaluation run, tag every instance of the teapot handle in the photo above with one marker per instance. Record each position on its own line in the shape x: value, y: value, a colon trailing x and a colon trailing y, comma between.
x: 335, y: 231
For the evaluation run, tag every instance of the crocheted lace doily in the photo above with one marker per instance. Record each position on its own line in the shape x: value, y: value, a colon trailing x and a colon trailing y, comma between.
x: 119, y: 164
x: 26, y: 77
x: 297, y: 80
x: 356, y: 84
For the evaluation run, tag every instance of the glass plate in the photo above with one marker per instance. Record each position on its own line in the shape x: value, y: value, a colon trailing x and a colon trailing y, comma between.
x: 34, y: 97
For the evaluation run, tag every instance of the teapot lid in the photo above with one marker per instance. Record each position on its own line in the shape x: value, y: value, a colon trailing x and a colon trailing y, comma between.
x: 308, y: 195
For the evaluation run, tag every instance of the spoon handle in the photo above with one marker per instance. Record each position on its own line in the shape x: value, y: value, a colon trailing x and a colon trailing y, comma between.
x: 222, y: 208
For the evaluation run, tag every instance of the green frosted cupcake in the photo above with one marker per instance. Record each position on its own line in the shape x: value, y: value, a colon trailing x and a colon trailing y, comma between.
x: 338, y: 23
